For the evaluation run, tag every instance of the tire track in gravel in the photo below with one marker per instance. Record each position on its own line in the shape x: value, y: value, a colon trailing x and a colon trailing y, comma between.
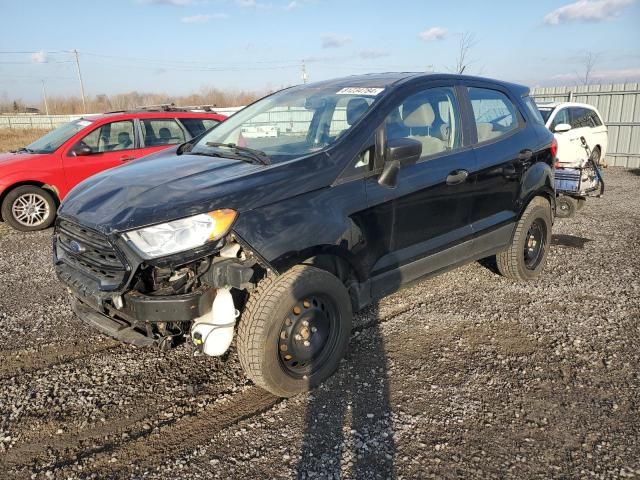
x: 25, y: 361
x: 170, y: 437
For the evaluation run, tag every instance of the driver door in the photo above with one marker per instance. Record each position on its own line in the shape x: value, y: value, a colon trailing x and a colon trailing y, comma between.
x: 111, y: 145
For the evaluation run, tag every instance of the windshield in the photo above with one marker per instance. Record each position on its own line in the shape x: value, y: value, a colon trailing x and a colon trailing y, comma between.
x: 545, y: 112
x: 292, y: 123
x: 52, y: 140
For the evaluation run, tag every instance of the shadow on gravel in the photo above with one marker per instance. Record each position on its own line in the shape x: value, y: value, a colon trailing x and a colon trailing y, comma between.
x: 569, y: 241
x: 348, y: 425
x: 635, y: 171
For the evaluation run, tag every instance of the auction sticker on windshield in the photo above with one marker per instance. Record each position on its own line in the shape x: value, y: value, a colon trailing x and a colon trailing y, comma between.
x: 360, y: 91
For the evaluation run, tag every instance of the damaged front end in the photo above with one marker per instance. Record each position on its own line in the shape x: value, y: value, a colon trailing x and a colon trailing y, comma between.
x: 156, y: 301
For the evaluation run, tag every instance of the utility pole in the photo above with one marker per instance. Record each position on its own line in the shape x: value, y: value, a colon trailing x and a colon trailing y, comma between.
x: 44, y: 95
x: 84, y: 102
x: 305, y: 77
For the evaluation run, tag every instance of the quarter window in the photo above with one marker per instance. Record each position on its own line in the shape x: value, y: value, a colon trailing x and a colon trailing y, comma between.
x: 495, y: 115
x: 161, y: 132
x: 111, y: 137
x: 430, y: 117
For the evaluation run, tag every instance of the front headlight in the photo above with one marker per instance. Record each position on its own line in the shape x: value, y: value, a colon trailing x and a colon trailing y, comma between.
x: 181, y: 235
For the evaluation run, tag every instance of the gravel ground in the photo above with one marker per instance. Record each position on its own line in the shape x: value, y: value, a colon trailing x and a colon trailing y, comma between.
x: 463, y: 375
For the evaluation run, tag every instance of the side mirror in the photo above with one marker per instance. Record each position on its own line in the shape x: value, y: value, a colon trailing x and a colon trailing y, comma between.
x: 562, y: 127
x: 80, y: 150
x: 399, y: 151
x: 403, y: 150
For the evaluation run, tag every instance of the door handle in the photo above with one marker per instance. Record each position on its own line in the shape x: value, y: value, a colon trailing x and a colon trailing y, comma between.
x: 525, y: 155
x: 126, y: 158
x: 456, y: 177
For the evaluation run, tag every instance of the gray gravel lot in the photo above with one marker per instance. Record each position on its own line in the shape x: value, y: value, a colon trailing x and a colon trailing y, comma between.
x: 462, y: 375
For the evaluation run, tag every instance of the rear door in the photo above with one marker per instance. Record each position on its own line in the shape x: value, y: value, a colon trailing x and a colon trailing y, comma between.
x: 111, y: 144
x: 503, y: 151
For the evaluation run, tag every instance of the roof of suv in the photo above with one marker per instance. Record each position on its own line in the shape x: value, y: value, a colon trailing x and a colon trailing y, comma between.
x: 566, y: 104
x: 156, y: 114
x: 393, y: 78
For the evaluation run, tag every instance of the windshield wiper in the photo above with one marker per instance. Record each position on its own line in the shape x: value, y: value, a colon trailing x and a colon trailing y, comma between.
x: 257, y: 155
x: 23, y: 149
x: 233, y: 156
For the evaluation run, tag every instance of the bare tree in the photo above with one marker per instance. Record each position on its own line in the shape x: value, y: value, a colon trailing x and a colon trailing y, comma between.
x: 588, y: 62
x: 467, y: 42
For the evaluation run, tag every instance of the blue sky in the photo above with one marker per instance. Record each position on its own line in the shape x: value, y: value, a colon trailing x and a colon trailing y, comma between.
x: 180, y: 46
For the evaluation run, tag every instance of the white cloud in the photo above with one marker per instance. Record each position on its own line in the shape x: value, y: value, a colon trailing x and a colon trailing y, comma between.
x: 433, y: 33
x: 371, y: 53
x: 292, y: 5
x: 203, y: 18
x: 39, y: 57
x: 587, y: 11
x: 334, y: 40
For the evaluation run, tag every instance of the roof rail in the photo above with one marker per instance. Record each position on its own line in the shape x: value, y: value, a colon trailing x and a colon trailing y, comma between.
x: 168, y: 107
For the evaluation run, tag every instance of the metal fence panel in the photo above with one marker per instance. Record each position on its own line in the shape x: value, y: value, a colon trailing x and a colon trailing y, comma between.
x: 619, y: 105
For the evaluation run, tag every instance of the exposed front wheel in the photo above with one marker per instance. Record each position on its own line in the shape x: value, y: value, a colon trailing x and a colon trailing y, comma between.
x: 566, y: 206
x: 295, y: 330
x: 29, y: 208
x: 526, y: 256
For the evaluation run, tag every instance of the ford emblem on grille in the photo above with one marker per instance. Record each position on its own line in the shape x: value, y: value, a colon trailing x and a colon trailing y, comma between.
x: 76, y: 247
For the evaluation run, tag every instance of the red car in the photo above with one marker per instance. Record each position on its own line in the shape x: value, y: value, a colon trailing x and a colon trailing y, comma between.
x: 34, y: 179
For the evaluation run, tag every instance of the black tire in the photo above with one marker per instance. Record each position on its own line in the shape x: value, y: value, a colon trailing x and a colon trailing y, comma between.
x: 19, y: 199
x: 527, y: 255
x: 274, y: 317
x: 566, y: 206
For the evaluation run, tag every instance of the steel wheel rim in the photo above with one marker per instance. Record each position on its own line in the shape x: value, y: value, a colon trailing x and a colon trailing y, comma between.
x: 30, y: 209
x: 535, y: 244
x: 308, y: 335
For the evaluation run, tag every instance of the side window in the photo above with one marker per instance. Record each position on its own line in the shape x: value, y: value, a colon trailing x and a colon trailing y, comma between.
x: 562, y: 116
x: 595, y: 118
x: 495, y: 115
x: 430, y: 117
x: 195, y: 126
x: 161, y: 132
x: 111, y: 137
x: 581, y: 117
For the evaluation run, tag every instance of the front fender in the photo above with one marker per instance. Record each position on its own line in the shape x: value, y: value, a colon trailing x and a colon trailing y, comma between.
x: 286, y: 233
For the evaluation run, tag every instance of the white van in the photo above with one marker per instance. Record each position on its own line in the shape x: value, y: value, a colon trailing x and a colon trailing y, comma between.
x: 570, y: 121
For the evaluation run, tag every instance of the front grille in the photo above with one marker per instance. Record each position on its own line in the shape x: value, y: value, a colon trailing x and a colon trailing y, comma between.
x: 91, y: 253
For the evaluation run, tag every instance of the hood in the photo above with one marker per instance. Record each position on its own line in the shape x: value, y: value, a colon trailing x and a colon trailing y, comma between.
x: 14, y: 158
x: 166, y: 186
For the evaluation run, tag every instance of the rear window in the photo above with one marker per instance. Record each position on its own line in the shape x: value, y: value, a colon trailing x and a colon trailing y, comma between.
x: 533, y: 110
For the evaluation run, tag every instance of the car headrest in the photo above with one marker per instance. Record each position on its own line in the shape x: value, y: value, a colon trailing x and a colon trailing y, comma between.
x: 124, y: 137
x: 164, y: 132
x: 421, y: 116
x: 355, y: 108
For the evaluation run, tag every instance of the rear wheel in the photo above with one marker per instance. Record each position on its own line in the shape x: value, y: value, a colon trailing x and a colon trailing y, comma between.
x: 29, y: 208
x: 295, y: 330
x: 526, y: 256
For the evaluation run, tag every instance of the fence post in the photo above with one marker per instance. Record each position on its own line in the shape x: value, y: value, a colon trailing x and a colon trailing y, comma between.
x: 570, y: 95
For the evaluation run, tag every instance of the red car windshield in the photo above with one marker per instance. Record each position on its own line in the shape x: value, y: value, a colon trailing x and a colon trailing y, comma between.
x: 52, y: 140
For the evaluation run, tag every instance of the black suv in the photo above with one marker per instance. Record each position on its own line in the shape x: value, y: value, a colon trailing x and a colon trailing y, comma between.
x: 305, y: 207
